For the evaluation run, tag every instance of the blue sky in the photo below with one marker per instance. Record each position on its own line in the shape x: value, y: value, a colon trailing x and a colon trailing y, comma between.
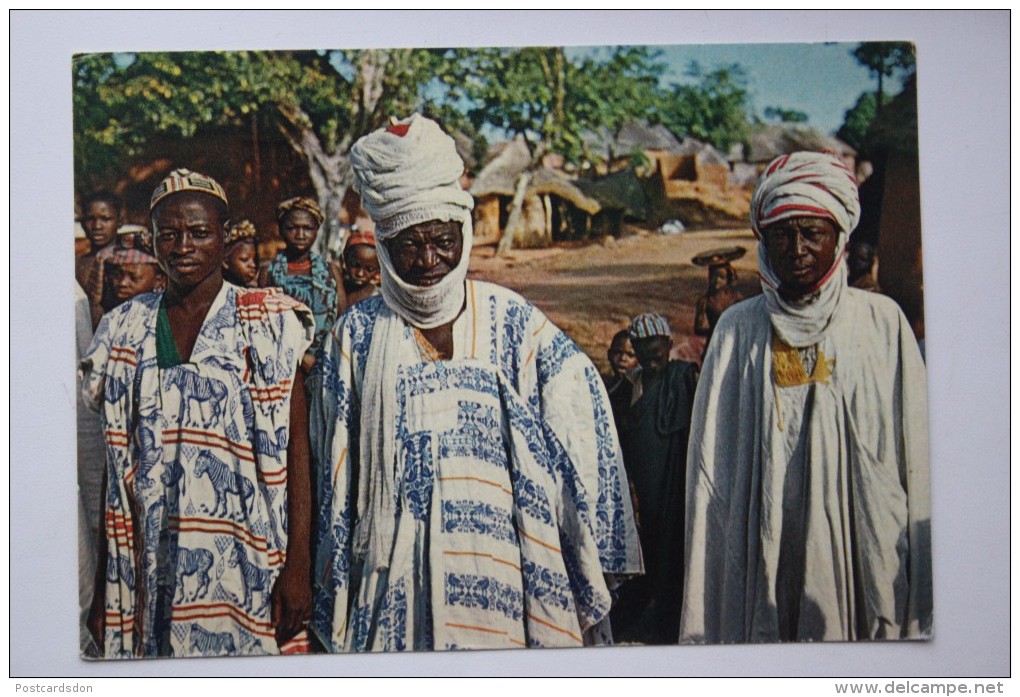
x: 822, y: 80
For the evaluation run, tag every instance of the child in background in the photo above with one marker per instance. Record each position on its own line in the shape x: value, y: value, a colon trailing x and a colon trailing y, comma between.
x: 241, y: 257
x: 301, y: 273
x: 622, y: 361
x: 131, y: 272
x: 101, y: 216
x: 360, y: 273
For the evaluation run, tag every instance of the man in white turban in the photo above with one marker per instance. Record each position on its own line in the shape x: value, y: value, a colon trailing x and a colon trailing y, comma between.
x: 807, y: 472
x: 470, y: 486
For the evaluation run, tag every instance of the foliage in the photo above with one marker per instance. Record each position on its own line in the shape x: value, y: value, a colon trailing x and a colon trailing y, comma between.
x: 123, y: 101
x: 713, y: 109
x: 857, y: 120
x: 552, y: 98
x: 885, y: 59
x: 782, y: 115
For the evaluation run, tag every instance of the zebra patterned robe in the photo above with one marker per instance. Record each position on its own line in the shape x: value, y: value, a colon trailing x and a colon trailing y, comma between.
x: 196, y: 460
x: 484, y: 505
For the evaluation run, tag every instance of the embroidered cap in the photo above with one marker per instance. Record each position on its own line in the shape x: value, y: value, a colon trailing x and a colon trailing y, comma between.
x: 303, y: 203
x: 185, y: 180
x: 241, y: 230
x: 649, y: 324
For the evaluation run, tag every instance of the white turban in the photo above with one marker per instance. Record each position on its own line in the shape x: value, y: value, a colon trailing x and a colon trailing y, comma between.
x: 408, y: 174
x: 805, y: 184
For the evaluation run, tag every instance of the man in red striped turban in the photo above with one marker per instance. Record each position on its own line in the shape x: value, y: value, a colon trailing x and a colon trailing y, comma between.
x: 807, y: 472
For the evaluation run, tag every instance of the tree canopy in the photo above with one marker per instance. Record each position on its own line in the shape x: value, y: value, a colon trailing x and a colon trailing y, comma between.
x: 713, y: 109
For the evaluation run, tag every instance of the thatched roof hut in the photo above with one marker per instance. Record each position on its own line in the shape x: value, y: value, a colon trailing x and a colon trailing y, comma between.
x: 769, y: 142
x: 553, y: 206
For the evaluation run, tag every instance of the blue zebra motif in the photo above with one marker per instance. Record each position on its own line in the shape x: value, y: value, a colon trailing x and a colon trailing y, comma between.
x: 253, y: 579
x: 469, y: 590
x: 148, y: 454
x: 121, y: 568
x: 195, y: 388
x: 193, y: 562
x: 225, y: 481
x: 211, y: 643
x: 172, y: 475
x: 481, y: 518
x: 271, y: 444
x: 114, y: 390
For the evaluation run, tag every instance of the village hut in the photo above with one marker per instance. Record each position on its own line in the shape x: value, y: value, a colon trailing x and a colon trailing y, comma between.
x: 637, y: 145
x: 770, y: 141
x: 622, y: 198
x: 692, y: 184
x: 551, y: 206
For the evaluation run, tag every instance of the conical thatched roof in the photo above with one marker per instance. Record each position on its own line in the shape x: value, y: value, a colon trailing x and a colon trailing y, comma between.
x: 705, y: 152
x: 774, y: 140
x: 499, y: 176
x: 633, y: 137
x: 548, y: 181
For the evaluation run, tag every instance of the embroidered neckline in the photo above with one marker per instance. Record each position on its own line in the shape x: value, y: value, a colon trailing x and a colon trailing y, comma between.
x: 788, y: 367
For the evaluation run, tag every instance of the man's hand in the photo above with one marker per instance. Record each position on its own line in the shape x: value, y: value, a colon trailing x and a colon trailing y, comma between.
x: 291, y: 602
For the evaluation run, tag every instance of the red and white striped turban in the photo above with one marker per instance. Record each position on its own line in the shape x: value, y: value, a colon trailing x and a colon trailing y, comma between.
x: 806, y: 184
x: 798, y: 185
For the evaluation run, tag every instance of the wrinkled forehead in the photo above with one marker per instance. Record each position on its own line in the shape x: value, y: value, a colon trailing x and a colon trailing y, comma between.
x: 430, y: 229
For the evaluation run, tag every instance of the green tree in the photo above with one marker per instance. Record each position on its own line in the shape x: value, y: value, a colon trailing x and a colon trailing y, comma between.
x: 553, y: 99
x: 885, y: 59
x: 858, y: 118
x: 319, y: 101
x: 778, y: 113
x: 713, y: 109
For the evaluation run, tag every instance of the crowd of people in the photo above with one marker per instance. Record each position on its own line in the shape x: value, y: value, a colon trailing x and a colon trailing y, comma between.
x: 385, y: 455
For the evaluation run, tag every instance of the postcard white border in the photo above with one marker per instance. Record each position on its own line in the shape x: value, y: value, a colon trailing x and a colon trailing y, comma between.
x: 963, y: 95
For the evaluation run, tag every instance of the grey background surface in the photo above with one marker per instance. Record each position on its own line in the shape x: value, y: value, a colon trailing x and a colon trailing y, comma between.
x: 963, y: 95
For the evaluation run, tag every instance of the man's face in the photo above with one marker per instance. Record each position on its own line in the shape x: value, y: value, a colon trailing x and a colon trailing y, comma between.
x: 425, y: 253
x: 189, y: 238
x: 652, y: 352
x: 240, y: 262
x: 299, y: 228
x: 800, y: 251
x: 621, y: 356
x: 100, y: 223
x: 361, y: 267
x: 130, y: 280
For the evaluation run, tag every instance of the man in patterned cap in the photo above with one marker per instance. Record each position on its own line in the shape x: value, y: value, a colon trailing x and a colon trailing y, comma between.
x: 205, y: 544
x: 469, y: 480
x: 807, y: 492
x: 653, y: 436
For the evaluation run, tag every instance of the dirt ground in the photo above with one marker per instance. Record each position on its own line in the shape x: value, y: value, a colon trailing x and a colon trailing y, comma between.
x: 592, y: 290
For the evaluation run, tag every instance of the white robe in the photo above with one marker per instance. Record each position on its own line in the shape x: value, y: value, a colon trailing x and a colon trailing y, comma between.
x: 484, y: 505
x: 812, y: 497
